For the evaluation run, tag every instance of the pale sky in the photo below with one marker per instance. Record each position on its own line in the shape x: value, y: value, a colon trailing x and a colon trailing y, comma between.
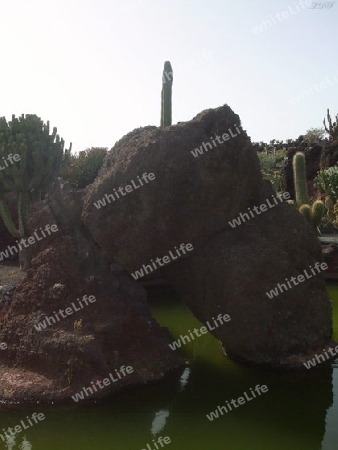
x: 93, y: 68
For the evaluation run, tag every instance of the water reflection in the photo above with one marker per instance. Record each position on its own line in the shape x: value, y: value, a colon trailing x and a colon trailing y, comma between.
x: 11, y: 444
x: 161, y: 416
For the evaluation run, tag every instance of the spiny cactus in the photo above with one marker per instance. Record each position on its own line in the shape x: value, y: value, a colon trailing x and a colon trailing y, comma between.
x: 305, y: 211
x: 38, y: 156
x: 299, y: 178
x: 312, y: 213
x: 329, y: 205
x: 318, y: 211
x: 166, y: 95
x: 332, y: 128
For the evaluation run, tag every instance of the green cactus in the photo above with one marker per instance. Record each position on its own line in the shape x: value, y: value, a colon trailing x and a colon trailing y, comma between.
x: 305, y: 211
x: 329, y: 205
x: 318, y: 211
x: 332, y: 128
x: 30, y: 159
x: 299, y: 177
x: 312, y: 213
x: 166, y: 95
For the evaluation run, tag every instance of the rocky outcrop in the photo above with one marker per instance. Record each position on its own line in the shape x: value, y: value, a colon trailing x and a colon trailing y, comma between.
x: 190, y: 197
x: 329, y: 155
x: 233, y: 273
x: 191, y: 200
x: 89, y: 341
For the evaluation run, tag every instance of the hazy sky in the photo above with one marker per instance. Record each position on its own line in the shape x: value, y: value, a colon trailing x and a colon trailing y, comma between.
x: 93, y: 68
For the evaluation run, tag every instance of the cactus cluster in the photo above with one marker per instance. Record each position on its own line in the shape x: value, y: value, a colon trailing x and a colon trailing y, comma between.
x: 312, y: 213
x: 39, y: 158
x: 166, y: 95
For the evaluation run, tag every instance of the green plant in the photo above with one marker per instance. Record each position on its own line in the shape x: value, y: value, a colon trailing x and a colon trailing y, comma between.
x: 37, y: 157
x: 332, y: 128
x: 272, y: 169
x: 299, y: 178
x: 312, y: 213
x: 327, y: 181
x: 335, y: 213
x: 166, y: 95
x: 329, y: 205
x: 82, y: 169
x: 314, y: 135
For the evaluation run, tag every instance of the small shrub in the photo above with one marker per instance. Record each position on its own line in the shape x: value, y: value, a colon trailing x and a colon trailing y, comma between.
x: 82, y: 169
x: 272, y: 168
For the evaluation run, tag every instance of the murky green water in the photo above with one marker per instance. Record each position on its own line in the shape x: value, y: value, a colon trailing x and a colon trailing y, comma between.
x: 299, y: 412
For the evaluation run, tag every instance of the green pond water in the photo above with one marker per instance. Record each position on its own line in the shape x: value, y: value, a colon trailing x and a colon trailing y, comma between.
x: 299, y: 411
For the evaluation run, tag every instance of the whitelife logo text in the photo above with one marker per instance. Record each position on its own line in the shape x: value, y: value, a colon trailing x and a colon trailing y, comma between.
x: 101, y: 384
x: 160, y: 262
x: 220, y: 140
x: 31, y: 240
x: 321, y: 358
x: 241, y: 401
x: 301, y: 278
x: 64, y: 313
x: 259, y: 209
x: 126, y: 190
x: 184, y: 339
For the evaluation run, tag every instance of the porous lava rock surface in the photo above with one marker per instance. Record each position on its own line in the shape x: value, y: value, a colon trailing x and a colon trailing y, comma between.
x: 192, y: 200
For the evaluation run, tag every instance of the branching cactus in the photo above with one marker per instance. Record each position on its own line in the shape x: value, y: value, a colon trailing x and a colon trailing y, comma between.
x: 332, y: 128
x: 166, y: 96
x: 30, y: 159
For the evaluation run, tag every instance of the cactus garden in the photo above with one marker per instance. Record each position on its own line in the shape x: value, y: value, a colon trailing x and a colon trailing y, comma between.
x: 168, y: 250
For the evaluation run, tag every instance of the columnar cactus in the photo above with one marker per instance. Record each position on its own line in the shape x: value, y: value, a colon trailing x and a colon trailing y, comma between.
x: 30, y: 159
x: 312, y: 213
x: 166, y: 95
x: 299, y: 178
x: 332, y: 128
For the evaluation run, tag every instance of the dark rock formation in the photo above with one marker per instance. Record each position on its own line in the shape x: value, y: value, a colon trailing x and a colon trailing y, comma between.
x: 191, y: 201
x: 329, y: 155
x: 231, y: 274
x: 91, y: 340
x: 190, y: 197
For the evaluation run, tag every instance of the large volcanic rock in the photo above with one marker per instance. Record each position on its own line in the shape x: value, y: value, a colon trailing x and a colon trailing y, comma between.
x: 231, y: 274
x: 191, y: 200
x: 68, y: 353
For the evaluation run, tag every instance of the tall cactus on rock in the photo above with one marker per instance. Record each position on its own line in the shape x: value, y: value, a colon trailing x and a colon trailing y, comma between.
x: 166, y: 95
x: 30, y: 159
x: 312, y: 213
